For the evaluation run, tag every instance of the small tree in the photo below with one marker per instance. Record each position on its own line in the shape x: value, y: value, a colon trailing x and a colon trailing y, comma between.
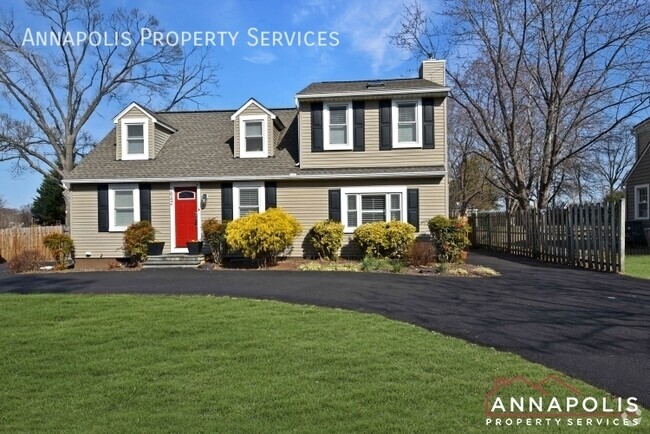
x: 136, y: 239
x: 49, y: 206
x: 61, y: 248
x: 214, y: 234
x: 263, y: 237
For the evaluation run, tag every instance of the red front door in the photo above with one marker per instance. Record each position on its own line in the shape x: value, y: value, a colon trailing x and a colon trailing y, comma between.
x: 186, y: 212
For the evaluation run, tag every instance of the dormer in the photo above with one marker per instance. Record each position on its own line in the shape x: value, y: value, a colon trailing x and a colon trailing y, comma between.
x: 139, y: 133
x: 256, y: 131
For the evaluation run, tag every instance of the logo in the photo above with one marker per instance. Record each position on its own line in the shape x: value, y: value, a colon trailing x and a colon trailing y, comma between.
x: 519, y: 401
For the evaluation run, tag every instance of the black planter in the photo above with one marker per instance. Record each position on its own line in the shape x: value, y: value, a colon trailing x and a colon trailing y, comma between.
x: 194, y: 247
x: 155, y: 248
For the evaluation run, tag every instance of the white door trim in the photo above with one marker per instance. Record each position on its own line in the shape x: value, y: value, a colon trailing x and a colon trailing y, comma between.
x: 172, y: 213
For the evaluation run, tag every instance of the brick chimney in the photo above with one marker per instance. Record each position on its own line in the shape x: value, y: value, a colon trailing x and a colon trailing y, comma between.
x: 433, y: 70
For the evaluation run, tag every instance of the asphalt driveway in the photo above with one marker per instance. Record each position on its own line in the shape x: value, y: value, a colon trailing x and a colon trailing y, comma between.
x: 591, y: 325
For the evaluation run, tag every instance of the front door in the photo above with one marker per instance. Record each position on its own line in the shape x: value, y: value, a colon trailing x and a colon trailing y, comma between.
x: 186, y: 212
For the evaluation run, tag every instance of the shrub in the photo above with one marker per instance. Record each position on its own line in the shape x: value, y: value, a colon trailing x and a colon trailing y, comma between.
x: 327, y: 238
x: 61, y: 247
x: 450, y: 237
x: 214, y: 234
x: 136, y: 238
x: 263, y: 237
x: 420, y: 254
x: 27, y: 260
x: 384, y: 240
x: 373, y: 263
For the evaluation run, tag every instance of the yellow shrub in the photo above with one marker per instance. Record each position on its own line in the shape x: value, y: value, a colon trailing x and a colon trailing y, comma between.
x: 384, y: 240
x: 61, y: 248
x: 326, y: 237
x: 263, y: 237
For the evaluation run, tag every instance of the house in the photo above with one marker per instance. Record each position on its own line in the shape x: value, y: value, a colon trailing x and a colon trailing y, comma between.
x: 354, y: 151
x: 637, y: 182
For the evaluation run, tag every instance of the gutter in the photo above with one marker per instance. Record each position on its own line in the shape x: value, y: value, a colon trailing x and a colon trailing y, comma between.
x: 290, y: 177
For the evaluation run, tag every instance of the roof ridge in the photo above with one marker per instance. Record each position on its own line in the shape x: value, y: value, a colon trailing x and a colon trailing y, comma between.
x: 217, y: 110
x: 371, y: 80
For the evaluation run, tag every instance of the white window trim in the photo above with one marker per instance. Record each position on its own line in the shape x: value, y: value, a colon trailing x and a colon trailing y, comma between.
x: 326, y: 127
x: 261, y: 199
x: 112, y: 188
x: 636, y: 201
x: 124, y: 130
x: 242, y: 137
x: 369, y: 190
x: 418, y: 124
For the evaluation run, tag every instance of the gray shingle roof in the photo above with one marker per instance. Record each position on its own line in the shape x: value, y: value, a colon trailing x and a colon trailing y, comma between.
x: 202, y: 146
x: 367, y: 86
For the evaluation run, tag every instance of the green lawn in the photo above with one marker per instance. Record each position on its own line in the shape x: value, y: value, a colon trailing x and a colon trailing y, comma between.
x: 205, y: 364
x: 638, y: 266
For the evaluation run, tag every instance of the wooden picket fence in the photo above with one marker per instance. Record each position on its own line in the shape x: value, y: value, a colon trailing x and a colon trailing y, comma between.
x: 16, y: 240
x: 587, y: 236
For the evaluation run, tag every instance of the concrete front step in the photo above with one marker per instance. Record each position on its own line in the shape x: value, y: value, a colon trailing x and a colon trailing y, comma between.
x: 173, y: 261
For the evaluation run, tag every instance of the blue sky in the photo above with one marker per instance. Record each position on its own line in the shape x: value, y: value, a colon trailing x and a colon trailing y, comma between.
x: 271, y: 74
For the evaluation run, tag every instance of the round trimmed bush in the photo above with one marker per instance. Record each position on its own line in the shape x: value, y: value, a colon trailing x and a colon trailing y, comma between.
x: 385, y: 240
x: 61, y: 248
x: 327, y: 238
x: 136, y: 240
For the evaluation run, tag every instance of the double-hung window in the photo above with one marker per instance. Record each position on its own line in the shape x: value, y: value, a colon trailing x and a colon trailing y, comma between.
x: 372, y: 204
x: 123, y: 206
x: 134, y: 139
x: 407, y: 124
x: 248, y: 198
x: 337, y: 126
x: 641, y: 211
x: 253, y: 137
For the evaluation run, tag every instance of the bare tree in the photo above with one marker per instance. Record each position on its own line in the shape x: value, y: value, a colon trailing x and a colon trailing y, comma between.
x: 51, y: 92
x: 613, y: 157
x: 541, y: 80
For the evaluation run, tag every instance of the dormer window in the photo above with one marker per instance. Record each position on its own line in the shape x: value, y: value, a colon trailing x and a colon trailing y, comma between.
x: 407, y: 124
x: 253, y: 137
x: 134, y: 133
x: 337, y: 120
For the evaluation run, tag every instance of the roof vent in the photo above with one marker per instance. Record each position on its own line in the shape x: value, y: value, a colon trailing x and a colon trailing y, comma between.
x: 372, y: 84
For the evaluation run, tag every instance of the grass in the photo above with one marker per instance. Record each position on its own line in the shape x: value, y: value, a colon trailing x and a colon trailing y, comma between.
x: 638, y: 266
x: 204, y: 364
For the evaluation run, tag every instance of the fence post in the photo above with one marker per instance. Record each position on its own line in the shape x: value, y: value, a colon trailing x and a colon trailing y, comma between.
x: 621, y: 234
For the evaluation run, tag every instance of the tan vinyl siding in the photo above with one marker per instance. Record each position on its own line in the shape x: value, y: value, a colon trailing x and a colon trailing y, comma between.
x: 213, y: 205
x: 254, y: 110
x: 372, y: 156
x: 308, y: 202
x: 83, y: 222
x: 160, y: 137
x: 133, y: 113
x: 276, y: 141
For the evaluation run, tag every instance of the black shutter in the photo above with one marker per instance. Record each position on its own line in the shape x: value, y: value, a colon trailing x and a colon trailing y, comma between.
x: 145, y: 202
x: 102, y: 207
x: 335, y: 205
x: 427, y: 123
x: 226, y: 201
x: 385, y: 133
x: 270, y: 189
x: 317, y: 127
x: 413, y: 208
x: 358, y: 110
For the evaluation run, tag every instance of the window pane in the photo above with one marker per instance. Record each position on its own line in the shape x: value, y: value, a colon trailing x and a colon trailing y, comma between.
x: 406, y: 133
x: 254, y: 129
x: 395, y: 201
x: 254, y: 144
x: 374, y: 202
x: 643, y: 195
x: 338, y: 135
x: 373, y: 216
x: 406, y: 113
x: 245, y: 211
x: 338, y: 115
x: 123, y: 217
x: 186, y: 195
x: 124, y: 199
x: 352, y: 219
x: 248, y: 197
x: 135, y: 146
x: 136, y: 130
x: 352, y: 201
x: 395, y: 215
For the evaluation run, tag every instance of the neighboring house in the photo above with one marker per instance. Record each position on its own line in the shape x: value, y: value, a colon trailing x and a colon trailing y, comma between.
x: 354, y: 151
x: 637, y: 182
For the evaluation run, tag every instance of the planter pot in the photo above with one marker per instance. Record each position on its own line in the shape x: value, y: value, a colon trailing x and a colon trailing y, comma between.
x: 463, y: 256
x: 155, y: 248
x: 194, y: 247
